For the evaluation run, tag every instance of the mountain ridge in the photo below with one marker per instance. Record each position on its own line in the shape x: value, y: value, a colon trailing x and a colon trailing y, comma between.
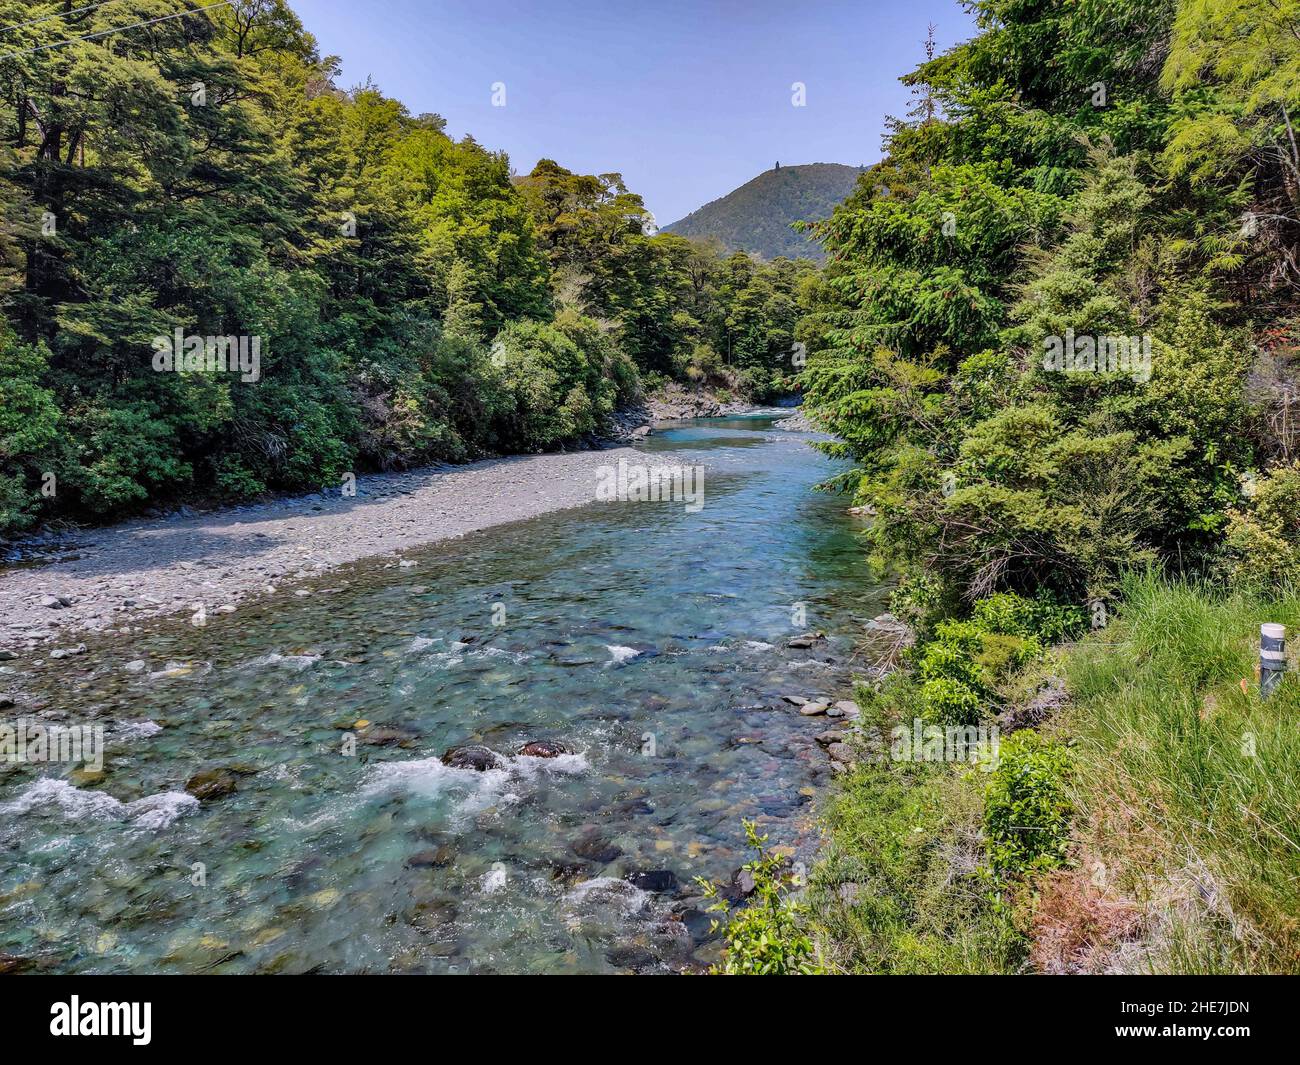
x: 756, y: 216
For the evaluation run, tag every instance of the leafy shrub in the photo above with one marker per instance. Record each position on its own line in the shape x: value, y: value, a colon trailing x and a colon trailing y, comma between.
x: 1262, y: 545
x: 1026, y: 808
x: 767, y: 937
x: 29, y: 430
x: 950, y: 702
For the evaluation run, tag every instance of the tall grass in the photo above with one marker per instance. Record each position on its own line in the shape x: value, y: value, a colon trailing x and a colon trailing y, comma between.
x: 1188, y: 786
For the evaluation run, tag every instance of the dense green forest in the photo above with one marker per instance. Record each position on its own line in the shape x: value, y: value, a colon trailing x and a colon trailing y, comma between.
x: 1057, y: 337
x: 407, y: 297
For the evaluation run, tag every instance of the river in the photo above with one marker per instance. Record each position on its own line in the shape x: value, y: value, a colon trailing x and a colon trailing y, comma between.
x: 649, y: 639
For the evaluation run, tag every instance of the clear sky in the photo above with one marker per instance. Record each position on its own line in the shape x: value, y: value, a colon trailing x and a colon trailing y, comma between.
x: 686, y: 98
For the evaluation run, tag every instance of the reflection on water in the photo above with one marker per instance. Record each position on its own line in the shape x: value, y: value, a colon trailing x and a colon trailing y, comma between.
x: 649, y: 641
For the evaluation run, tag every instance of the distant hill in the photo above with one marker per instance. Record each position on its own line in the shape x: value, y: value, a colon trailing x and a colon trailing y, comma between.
x: 756, y: 217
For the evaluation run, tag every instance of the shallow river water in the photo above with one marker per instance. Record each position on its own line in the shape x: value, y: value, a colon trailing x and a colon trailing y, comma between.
x: 648, y: 639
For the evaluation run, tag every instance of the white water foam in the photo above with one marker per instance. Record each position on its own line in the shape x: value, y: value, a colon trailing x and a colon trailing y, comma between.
x: 608, y: 891
x: 477, y: 790
x: 152, y: 812
x: 137, y: 730
x: 295, y: 662
x: 619, y: 653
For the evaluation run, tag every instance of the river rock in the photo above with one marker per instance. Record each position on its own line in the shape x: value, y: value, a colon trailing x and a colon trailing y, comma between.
x: 742, y: 882
x: 543, y: 749
x: 6, y: 701
x: 814, y: 709
x: 841, y: 752
x: 388, y: 736
x: 431, y: 859
x: 847, y: 708
x: 66, y: 652
x: 473, y: 756
x: 806, y: 640
x: 794, y: 700
x: 211, y: 784
x: 831, y: 736
x: 7, y: 655
x: 597, y: 849
x: 658, y: 881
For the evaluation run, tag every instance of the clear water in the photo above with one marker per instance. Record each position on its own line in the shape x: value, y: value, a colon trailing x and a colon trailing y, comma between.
x: 649, y: 640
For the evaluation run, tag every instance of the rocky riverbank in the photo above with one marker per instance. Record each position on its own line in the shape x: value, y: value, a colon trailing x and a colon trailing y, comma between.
x: 107, y: 579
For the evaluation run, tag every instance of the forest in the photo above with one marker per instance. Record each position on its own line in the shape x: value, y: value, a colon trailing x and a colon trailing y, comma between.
x: 413, y: 299
x: 1057, y: 338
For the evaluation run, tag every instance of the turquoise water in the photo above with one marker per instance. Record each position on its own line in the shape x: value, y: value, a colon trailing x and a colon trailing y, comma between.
x: 649, y: 640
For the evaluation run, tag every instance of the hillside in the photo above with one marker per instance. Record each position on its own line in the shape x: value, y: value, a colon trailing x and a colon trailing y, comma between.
x: 756, y: 217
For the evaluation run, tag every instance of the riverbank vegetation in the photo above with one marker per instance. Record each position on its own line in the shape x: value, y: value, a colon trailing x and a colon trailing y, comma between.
x: 1058, y: 342
x: 409, y: 297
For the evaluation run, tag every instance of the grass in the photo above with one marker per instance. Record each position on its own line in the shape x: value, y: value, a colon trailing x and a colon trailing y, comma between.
x: 899, y: 888
x: 1184, y: 852
x: 1187, y: 786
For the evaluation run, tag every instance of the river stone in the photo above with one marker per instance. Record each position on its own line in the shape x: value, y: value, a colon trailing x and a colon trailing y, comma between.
x: 430, y: 859
x: 831, y: 736
x: 7, y: 655
x: 743, y: 883
x: 658, y: 881
x: 212, y: 784
x: 813, y: 709
x: 543, y: 749
x: 848, y: 708
x: 6, y: 701
x: 840, y: 752
x: 596, y: 849
x: 388, y: 736
x: 794, y: 700
x: 473, y: 756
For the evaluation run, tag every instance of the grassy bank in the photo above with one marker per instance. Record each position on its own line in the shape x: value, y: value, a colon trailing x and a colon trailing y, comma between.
x: 1150, y: 822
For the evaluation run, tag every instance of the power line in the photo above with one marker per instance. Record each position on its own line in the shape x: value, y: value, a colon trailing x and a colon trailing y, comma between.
x: 116, y: 29
x: 57, y: 14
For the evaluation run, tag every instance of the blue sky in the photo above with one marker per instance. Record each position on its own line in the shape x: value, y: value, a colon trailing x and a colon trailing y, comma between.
x: 686, y: 98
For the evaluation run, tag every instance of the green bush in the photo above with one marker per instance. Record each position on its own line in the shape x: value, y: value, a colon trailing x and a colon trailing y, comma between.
x: 1262, y: 545
x: 1026, y: 807
x: 767, y: 937
x: 950, y: 702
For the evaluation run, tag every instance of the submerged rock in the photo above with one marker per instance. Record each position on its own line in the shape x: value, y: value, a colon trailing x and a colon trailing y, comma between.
x: 473, y: 756
x: 387, y: 736
x: 431, y: 859
x: 211, y: 784
x: 543, y: 749
x: 596, y: 849
x: 658, y: 881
